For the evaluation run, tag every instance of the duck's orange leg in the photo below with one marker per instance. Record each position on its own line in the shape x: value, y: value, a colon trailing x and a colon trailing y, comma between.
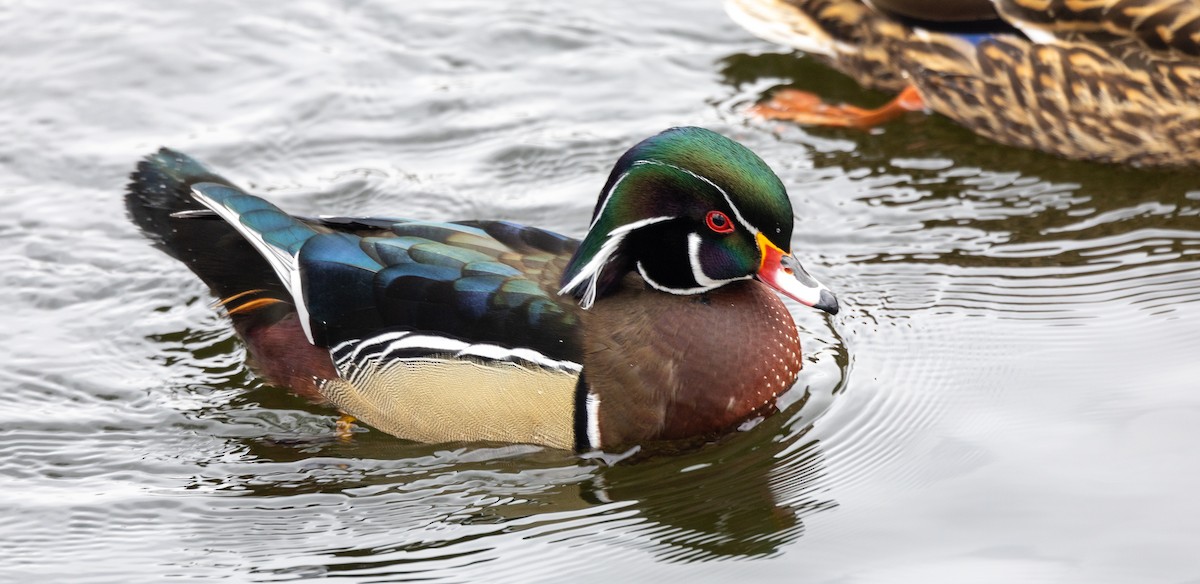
x: 807, y: 108
x: 344, y: 429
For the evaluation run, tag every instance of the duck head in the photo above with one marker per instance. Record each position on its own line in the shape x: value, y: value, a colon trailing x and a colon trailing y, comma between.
x: 691, y: 211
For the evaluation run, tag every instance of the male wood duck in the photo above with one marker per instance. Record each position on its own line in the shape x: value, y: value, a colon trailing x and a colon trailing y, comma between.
x: 1105, y: 80
x: 659, y: 325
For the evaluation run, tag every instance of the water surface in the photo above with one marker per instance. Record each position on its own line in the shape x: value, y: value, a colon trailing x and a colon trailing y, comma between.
x: 1008, y: 395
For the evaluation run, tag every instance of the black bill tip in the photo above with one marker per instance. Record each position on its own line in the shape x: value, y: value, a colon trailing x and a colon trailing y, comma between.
x: 828, y: 302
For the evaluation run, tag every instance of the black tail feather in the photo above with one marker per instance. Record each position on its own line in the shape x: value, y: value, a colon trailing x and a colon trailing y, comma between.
x: 160, y: 187
x: 159, y: 201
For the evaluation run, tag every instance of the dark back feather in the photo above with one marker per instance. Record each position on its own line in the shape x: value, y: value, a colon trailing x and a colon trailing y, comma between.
x: 159, y: 202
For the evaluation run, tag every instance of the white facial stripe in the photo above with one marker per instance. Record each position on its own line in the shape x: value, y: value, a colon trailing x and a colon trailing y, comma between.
x: 608, y: 195
x: 697, y: 273
x: 662, y: 288
x: 284, y: 263
x: 698, y: 269
x: 590, y: 272
x: 736, y: 213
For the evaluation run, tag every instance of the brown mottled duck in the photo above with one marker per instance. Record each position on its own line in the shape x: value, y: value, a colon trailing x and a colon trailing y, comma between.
x: 1102, y: 80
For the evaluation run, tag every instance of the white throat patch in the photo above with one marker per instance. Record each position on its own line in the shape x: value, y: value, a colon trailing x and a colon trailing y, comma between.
x: 705, y: 283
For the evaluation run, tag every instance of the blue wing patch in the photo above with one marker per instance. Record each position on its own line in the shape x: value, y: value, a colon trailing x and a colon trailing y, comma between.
x: 455, y: 279
x: 256, y: 216
x: 476, y: 281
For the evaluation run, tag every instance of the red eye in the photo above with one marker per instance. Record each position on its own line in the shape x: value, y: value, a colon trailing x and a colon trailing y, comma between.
x: 718, y: 222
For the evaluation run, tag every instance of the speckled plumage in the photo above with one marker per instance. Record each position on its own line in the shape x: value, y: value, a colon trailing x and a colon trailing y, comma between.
x: 1103, y: 80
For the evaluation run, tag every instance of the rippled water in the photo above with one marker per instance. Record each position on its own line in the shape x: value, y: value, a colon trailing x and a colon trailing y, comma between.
x: 1010, y: 393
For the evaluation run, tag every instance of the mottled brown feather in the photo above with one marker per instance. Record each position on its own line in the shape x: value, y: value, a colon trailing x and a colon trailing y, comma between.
x: 1117, y: 83
x: 668, y: 367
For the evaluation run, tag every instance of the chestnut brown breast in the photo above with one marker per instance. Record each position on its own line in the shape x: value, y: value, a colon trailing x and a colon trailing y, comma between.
x: 281, y: 353
x: 667, y: 367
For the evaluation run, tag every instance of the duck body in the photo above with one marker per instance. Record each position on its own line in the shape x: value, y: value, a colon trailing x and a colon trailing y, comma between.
x: 661, y: 324
x: 1105, y: 80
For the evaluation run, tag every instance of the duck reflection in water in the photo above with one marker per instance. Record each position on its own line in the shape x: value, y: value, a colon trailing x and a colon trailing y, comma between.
x: 746, y: 496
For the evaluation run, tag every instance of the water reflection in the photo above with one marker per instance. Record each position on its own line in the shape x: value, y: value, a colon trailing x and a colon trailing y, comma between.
x: 398, y: 501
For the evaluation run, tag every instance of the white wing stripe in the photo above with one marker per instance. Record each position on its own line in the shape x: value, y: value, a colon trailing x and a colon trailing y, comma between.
x: 387, y: 347
x: 280, y: 260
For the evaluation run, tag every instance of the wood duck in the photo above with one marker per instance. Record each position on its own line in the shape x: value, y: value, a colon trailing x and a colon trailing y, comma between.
x: 660, y: 325
x: 1103, y: 80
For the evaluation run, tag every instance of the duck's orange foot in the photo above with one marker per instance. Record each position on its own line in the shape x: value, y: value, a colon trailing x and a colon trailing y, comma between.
x: 808, y: 108
x: 344, y: 429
